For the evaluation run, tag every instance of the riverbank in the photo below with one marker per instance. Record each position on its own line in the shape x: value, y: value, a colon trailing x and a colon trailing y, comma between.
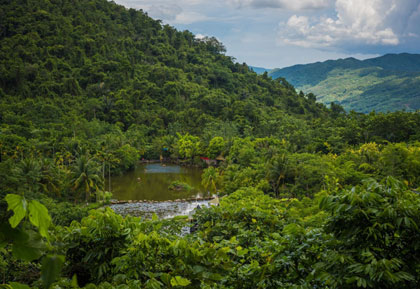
x: 199, y: 163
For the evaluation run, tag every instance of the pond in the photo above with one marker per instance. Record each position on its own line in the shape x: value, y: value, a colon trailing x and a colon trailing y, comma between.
x: 151, y: 182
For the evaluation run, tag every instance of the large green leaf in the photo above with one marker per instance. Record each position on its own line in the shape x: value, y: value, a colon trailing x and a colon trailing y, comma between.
x: 26, y: 252
x: 180, y: 281
x: 15, y: 285
x: 29, y: 246
x: 51, y: 268
x: 39, y: 217
x: 166, y: 278
x: 11, y: 235
x: 18, y: 205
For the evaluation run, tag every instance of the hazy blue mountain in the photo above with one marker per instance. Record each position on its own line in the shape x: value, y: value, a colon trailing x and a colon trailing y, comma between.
x: 387, y: 83
x: 259, y: 70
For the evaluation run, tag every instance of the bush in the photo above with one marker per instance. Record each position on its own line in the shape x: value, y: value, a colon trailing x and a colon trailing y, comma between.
x: 376, y: 231
x: 94, y: 242
x: 179, y: 186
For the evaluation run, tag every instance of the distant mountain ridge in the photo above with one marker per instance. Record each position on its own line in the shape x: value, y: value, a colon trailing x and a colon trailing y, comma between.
x: 259, y: 70
x: 386, y: 83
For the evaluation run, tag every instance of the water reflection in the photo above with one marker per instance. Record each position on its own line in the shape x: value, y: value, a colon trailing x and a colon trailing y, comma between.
x: 162, y: 169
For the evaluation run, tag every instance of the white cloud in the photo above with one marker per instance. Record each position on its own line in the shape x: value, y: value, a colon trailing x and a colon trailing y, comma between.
x: 357, y: 22
x: 199, y: 36
x: 164, y: 11
x: 188, y: 17
x: 169, y: 11
x: 413, y: 23
x: 285, y: 4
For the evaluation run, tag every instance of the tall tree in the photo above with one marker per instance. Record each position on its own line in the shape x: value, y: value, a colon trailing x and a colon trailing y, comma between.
x: 86, y: 177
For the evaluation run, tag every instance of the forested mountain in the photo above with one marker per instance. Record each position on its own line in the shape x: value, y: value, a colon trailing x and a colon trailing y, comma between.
x: 387, y: 83
x: 314, y: 197
x: 63, y: 61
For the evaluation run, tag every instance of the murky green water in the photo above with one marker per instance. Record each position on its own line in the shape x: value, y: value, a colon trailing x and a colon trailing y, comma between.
x: 151, y: 182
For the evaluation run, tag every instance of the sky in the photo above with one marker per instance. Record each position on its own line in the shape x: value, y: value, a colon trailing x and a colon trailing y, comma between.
x: 280, y: 33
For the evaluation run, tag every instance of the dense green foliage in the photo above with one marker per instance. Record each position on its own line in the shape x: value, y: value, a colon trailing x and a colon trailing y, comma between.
x: 314, y: 197
x: 361, y: 237
x: 386, y: 83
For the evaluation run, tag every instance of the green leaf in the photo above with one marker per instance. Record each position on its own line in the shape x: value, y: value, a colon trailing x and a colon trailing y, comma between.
x: 293, y: 229
x: 18, y: 205
x: 180, y: 281
x: 166, y: 278
x: 28, y: 247
x: 74, y: 283
x: 51, y: 268
x: 214, y: 276
x: 10, y: 235
x: 5, y: 234
x: 16, y: 285
x: 153, y: 284
x: 39, y: 217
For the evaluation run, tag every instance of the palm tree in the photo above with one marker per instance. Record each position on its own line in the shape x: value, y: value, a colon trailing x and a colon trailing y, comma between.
x: 277, y: 170
x: 53, y: 177
x: 27, y: 174
x: 210, y: 179
x: 86, y: 176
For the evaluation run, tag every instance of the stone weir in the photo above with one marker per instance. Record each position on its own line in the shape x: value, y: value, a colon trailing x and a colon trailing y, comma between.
x: 164, y: 210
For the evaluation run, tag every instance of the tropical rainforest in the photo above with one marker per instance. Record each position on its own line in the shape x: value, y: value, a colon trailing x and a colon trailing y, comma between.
x: 314, y: 197
x: 386, y: 83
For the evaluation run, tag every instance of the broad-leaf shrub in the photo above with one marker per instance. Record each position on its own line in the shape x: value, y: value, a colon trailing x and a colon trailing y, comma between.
x: 166, y: 263
x: 94, y: 242
x: 376, y: 237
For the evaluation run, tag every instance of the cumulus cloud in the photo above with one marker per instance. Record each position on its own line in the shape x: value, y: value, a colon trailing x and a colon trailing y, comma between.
x: 169, y: 11
x: 164, y: 11
x: 413, y: 23
x: 357, y: 22
x: 199, y: 36
x: 189, y: 17
x: 285, y: 4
